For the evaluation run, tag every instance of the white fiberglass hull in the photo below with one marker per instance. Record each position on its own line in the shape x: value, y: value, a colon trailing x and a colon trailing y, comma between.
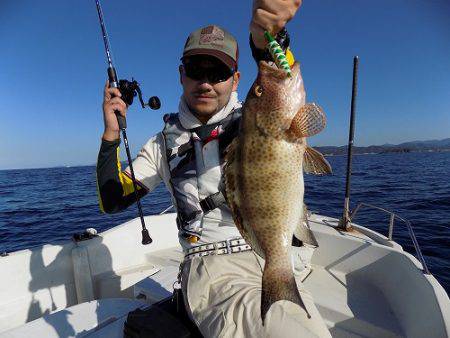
x: 363, y: 284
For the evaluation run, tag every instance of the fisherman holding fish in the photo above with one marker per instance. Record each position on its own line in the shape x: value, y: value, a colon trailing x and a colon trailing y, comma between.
x: 235, y: 176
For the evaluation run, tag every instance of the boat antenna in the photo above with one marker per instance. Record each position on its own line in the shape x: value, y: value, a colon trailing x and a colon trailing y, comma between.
x: 345, y: 222
x: 128, y: 89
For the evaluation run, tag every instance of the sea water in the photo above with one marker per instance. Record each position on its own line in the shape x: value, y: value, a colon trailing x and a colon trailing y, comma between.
x: 39, y: 206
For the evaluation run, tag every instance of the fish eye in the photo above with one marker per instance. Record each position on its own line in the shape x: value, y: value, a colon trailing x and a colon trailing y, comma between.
x: 258, y: 90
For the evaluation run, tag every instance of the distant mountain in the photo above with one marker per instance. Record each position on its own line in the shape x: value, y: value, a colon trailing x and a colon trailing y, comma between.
x: 406, y: 147
x: 445, y: 143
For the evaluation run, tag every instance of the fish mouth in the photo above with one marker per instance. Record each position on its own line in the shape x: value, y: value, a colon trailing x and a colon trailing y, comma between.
x: 271, y: 69
x: 293, y: 84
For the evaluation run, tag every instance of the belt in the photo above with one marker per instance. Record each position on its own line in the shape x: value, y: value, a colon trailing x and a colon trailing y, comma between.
x: 228, y: 246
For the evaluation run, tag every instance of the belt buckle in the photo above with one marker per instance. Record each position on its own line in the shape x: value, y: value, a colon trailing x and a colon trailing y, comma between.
x: 216, y: 249
x: 228, y: 243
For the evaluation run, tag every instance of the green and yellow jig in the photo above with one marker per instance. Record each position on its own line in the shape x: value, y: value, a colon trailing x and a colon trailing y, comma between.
x: 277, y: 53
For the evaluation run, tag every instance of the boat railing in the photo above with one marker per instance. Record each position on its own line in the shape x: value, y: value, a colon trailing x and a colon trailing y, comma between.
x: 166, y: 209
x: 392, y: 217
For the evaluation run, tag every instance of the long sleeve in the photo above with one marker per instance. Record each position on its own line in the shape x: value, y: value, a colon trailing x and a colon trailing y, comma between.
x: 149, y: 167
x: 114, y: 186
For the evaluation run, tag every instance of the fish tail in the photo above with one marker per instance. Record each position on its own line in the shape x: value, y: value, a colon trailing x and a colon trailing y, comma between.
x: 279, y: 284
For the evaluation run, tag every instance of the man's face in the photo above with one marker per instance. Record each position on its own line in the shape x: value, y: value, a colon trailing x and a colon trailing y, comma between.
x: 207, y: 85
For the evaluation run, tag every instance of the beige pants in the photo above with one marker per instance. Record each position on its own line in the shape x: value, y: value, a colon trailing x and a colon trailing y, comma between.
x: 223, y: 297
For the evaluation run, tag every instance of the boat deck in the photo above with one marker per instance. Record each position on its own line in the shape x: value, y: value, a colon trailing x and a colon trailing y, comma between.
x: 362, y: 284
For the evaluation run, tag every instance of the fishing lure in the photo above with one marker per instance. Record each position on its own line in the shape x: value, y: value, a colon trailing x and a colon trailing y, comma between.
x: 277, y: 53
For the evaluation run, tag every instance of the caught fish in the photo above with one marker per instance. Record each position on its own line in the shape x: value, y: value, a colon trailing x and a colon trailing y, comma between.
x: 263, y: 175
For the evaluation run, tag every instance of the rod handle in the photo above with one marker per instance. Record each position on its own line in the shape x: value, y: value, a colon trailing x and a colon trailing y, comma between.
x: 121, y: 120
x: 114, y: 83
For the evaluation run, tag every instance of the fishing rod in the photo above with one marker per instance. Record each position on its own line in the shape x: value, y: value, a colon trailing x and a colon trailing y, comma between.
x: 128, y: 89
x: 345, y: 222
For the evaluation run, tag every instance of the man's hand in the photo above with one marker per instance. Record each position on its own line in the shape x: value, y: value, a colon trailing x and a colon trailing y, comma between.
x: 271, y: 15
x: 111, y: 102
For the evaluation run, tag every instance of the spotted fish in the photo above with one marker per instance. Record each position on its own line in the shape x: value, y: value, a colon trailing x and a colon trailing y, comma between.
x: 263, y: 174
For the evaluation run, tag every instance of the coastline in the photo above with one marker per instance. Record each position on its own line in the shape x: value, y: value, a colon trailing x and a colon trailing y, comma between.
x: 399, y: 151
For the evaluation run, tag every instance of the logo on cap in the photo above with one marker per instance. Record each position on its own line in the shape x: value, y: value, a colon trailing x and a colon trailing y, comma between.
x: 212, y: 35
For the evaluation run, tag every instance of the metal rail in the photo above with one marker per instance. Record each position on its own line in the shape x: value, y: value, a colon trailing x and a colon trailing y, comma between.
x: 345, y: 221
x: 166, y: 210
x: 392, y: 218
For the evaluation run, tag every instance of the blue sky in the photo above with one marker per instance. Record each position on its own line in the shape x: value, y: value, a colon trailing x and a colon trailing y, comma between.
x: 53, y: 68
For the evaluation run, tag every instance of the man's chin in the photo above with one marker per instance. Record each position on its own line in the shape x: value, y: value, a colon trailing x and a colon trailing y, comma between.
x: 204, y: 110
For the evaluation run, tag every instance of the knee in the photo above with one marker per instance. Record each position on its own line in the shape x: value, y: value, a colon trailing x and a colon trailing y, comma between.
x: 286, y: 319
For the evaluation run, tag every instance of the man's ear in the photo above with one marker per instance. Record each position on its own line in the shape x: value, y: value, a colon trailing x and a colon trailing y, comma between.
x: 181, y: 70
x: 236, y: 78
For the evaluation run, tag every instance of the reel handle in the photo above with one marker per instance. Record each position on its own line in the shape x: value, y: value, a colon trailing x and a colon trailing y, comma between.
x: 154, y: 103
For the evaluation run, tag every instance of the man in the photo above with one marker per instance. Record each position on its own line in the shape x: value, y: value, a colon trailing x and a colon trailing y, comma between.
x: 222, y: 292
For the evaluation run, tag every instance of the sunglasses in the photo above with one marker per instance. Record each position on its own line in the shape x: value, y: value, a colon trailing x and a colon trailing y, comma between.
x: 214, y: 74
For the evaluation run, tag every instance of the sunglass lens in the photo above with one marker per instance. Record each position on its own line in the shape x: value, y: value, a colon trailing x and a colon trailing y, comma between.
x: 193, y: 72
x: 212, y: 74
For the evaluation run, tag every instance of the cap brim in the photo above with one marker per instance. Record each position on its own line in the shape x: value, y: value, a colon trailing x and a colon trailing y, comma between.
x: 225, y: 58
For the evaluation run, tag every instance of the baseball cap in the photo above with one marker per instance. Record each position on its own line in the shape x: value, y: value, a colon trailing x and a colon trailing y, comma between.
x: 214, y: 41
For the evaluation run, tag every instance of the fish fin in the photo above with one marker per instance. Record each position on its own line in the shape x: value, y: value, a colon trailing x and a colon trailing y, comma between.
x: 315, y: 163
x: 231, y: 171
x: 279, y: 284
x: 309, y: 120
x: 273, y: 123
x: 305, y: 212
x: 230, y: 151
x: 304, y: 234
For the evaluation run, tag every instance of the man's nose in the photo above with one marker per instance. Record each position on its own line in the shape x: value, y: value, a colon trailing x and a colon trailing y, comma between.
x: 204, y: 84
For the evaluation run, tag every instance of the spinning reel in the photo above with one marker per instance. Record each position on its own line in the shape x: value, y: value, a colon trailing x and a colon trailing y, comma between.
x: 129, y: 90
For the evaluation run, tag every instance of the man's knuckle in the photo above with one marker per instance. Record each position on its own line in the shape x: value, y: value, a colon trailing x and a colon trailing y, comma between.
x: 258, y: 12
x: 279, y: 24
x: 291, y: 13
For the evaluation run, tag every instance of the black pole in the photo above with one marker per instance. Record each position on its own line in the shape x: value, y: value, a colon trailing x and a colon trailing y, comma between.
x: 345, y: 222
x: 114, y: 83
x: 146, y: 239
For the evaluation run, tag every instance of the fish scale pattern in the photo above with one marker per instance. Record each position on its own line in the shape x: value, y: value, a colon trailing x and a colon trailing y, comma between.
x: 263, y: 177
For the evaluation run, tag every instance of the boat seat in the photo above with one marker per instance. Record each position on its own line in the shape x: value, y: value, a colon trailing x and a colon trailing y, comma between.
x: 97, y: 318
x: 356, y: 310
x: 158, y: 286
